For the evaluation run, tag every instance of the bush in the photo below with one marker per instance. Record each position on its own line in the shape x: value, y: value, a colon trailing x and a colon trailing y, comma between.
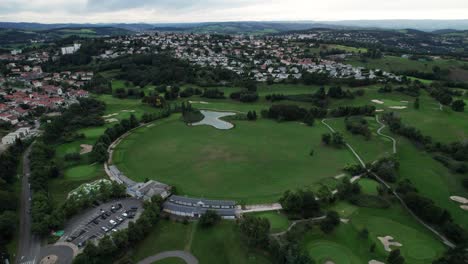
x: 209, y: 218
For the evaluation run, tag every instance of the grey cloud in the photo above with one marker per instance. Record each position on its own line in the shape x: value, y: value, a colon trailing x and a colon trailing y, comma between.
x: 169, y: 5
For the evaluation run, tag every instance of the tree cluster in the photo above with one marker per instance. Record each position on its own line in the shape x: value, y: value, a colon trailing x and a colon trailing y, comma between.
x: 301, y: 203
x: 358, y: 126
x: 333, y: 139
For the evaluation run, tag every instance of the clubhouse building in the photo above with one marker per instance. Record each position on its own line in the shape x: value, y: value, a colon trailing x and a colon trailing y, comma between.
x: 195, y: 207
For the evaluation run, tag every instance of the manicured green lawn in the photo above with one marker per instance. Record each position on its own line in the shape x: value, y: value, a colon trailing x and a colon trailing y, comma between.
x: 432, y: 179
x: 393, y: 63
x: 165, y: 236
x: 278, y: 221
x: 346, y: 245
x: 255, y: 161
x: 218, y: 244
x: 369, y: 150
x: 222, y: 244
x: 368, y: 186
x: 73, y: 177
x: 444, y: 126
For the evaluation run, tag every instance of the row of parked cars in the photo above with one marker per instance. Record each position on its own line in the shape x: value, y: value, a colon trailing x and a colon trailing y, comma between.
x: 103, y: 215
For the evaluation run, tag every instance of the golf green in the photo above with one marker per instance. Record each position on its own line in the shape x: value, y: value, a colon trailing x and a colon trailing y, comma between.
x: 255, y: 161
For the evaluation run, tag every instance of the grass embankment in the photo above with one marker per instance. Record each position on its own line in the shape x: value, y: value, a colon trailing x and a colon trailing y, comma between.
x: 347, y: 245
x: 218, y: 244
x: 254, y: 162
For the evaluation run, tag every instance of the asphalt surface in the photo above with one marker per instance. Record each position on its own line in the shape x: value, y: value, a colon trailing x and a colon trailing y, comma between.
x: 64, y: 253
x: 29, y: 245
x: 186, y: 256
x: 83, y: 223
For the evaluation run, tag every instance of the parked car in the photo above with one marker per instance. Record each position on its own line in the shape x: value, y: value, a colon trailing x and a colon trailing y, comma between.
x: 105, y: 229
x: 112, y: 222
x: 95, y: 221
x: 125, y: 215
x: 119, y: 219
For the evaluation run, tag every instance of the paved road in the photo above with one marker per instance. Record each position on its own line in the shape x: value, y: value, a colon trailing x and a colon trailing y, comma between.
x: 29, y: 245
x: 64, y: 253
x: 186, y: 256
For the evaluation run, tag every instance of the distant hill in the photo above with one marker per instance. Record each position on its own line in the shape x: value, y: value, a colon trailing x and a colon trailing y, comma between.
x: 11, y: 36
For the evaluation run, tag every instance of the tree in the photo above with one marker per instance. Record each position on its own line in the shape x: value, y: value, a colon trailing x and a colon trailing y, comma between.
x: 395, y: 257
x: 326, y: 138
x: 416, y: 103
x: 331, y: 220
x: 458, y: 105
x: 209, y: 218
x: 255, y: 230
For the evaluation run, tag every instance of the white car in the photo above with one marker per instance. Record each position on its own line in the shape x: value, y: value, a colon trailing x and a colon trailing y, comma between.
x: 114, y: 230
x: 125, y: 215
x: 105, y: 229
x: 112, y: 222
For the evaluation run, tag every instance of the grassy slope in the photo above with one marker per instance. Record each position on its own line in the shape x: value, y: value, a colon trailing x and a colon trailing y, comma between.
x: 345, y: 246
x: 218, y: 244
x: 278, y: 221
x: 247, y: 163
x: 393, y: 63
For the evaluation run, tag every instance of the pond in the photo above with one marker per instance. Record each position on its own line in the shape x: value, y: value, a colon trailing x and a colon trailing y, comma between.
x: 212, y: 118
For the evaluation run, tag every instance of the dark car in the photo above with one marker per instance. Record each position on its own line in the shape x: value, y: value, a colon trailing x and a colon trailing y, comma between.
x: 95, y: 221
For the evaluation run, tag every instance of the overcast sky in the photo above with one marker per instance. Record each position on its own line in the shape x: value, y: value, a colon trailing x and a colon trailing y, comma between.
x: 95, y: 11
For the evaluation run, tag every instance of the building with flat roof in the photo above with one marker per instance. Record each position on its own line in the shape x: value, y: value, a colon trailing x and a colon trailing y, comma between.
x: 196, y: 207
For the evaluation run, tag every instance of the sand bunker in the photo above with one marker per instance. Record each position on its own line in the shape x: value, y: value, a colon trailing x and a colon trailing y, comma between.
x: 110, y: 115
x: 111, y: 120
x: 398, y: 107
x: 464, y: 207
x: 344, y: 220
x: 459, y: 199
x: 379, y: 110
x: 377, y: 101
x: 151, y: 125
x: 128, y: 111
x: 387, y: 242
x: 85, y: 149
x: 375, y: 262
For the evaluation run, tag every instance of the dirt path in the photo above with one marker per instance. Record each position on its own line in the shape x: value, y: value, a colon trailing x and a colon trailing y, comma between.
x: 383, y: 135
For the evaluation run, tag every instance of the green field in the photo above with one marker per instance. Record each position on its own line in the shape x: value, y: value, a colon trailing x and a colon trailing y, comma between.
x: 248, y: 163
x: 278, y: 221
x: 393, y: 63
x: 218, y: 244
x: 73, y: 177
x: 345, y: 245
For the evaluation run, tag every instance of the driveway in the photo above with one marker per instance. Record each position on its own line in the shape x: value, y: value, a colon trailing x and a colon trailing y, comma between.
x: 186, y: 256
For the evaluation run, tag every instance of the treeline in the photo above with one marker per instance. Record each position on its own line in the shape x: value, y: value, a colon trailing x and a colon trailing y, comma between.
x: 319, y: 98
x: 457, y: 151
x: 445, y: 96
x: 88, y: 112
x: 427, y: 210
x: 286, y: 112
x: 9, y: 161
x: 116, y: 246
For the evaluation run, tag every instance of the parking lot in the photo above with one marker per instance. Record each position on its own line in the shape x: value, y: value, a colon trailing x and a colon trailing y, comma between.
x: 101, y: 220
